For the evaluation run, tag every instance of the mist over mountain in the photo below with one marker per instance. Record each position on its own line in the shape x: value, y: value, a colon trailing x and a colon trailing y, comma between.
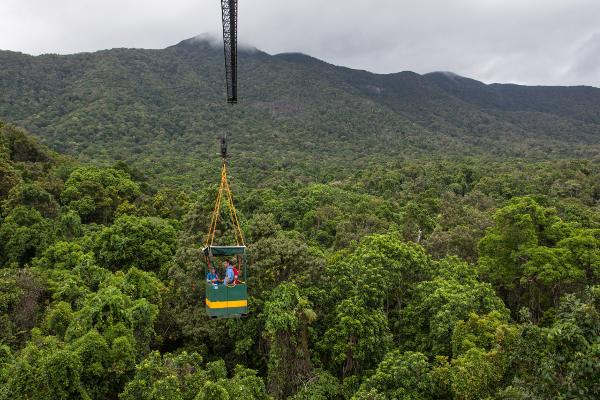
x: 166, y: 107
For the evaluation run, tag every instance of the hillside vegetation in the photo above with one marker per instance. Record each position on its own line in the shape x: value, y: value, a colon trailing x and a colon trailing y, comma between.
x: 410, y: 280
x: 299, y: 118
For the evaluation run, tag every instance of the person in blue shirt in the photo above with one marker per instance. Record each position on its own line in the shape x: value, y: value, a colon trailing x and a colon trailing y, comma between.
x: 229, y: 274
x: 212, y: 277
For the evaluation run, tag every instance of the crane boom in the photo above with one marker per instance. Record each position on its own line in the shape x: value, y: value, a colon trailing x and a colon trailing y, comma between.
x: 230, y: 14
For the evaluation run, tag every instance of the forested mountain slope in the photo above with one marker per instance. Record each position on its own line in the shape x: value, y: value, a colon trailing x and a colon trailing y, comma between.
x: 163, y: 109
x: 417, y: 280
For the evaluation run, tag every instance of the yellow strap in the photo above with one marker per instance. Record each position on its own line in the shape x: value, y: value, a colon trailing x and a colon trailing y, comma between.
x: 224, y: 185
x: 215, y: 216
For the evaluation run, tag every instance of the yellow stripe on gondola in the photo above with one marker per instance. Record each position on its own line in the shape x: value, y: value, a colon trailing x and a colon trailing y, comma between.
x: 227, y: 304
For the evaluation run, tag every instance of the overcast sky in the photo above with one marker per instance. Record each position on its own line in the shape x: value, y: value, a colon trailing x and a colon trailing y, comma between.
x: 545, y: 42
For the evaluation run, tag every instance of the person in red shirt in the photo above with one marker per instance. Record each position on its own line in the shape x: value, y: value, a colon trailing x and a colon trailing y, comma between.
x: 236, y: 274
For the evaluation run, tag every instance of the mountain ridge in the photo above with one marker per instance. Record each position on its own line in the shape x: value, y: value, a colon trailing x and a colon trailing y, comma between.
x: 214, y: 42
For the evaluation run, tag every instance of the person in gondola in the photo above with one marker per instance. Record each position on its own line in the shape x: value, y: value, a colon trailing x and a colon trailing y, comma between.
x: 212, y: 276
x: 236, y: 274
x: 229, y: 273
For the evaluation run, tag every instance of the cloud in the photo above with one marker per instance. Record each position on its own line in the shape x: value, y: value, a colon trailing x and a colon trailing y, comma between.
x: 522, y: 41
x: 210, y: 38
x: 587, y: 59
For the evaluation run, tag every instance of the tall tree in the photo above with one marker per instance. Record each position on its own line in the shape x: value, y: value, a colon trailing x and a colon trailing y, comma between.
x: 287, y: 315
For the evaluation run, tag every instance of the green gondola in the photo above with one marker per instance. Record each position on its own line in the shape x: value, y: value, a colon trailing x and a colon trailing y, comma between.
x: 226, y: 301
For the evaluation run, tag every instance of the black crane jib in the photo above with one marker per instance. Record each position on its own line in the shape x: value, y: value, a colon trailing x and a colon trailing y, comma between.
x: 230, y: 14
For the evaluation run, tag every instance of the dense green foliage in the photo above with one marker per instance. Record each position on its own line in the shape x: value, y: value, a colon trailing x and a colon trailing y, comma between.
x: 430, y: 279
x: 298, y: 119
